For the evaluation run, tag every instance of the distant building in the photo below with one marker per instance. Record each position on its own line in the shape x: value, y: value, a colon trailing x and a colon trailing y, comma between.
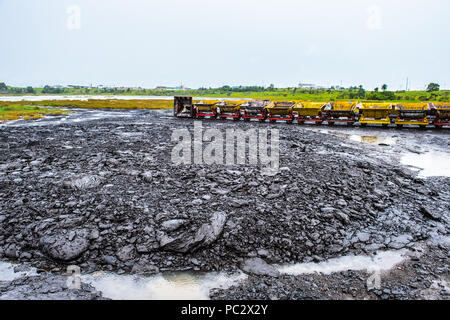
x: 180, y: 87
x: 306, y: 86
x: 171, y: 88
x: 128, y: 88
x: 77, y: 87
x: 309, y: 86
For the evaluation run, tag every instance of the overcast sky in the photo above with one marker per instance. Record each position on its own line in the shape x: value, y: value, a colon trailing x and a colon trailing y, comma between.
x: 237, y: 42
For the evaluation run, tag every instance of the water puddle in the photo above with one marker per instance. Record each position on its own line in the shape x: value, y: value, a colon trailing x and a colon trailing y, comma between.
x: 382, y: 261
x: 373, y: 139
x: 163, y: 286
x: 7, y: 272
x: 170, y: 286
x: 363, y: 139
x: 76, y: 116
x: 197, y: 286
x: 369, y: 139
x: 429, y: 164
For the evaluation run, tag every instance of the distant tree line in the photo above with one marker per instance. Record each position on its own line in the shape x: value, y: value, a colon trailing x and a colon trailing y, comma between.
x: 48, y: 89
x: 433, y: 87
x: 432, y: 92
x: 15, y: 90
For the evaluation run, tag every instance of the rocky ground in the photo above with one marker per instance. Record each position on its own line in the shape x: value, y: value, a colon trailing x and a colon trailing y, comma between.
x: 103, y: 194
x: 46, y: 287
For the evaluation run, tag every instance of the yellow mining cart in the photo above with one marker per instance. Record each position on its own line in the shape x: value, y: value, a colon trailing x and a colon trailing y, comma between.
x: 205, y: 109
x: 182, y: 107
x: 230, y: 109
x: 412, y: 114
x: 440, y: 114
x: 340, y: 111
x: 255, y: 109
x: 309, y: 111
x: 281, y: 110
x: 375, y: 113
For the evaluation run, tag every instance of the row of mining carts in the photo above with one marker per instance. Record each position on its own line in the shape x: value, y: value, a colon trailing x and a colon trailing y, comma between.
x: 421, y: 114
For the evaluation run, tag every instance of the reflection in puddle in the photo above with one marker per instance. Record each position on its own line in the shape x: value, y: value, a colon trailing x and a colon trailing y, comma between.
x: 381, y: 261
x: 431, y: 164
x: 363, y: 139
x: 171, y: 286
x: 380, y: 140
x: 373, y: 139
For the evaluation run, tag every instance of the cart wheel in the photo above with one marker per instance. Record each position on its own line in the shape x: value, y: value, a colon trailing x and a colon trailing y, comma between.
x: 438, y: 126
x: 399, y: 126
x: 262, y: 120
x: 363, y: 124
x: 246, y: 119
x: 384, y: 125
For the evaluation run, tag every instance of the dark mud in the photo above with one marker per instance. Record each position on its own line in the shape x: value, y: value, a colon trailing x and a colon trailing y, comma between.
x: 103, y: 194
x: 425, y: 275
x: 46, y: 287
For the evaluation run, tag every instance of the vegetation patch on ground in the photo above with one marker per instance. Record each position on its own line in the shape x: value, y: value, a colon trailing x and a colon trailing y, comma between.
x: 18, y: 111
x: 104, y: 104
x: 92, y: 104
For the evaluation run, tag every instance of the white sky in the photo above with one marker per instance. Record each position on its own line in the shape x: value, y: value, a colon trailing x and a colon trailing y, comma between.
x: 235, y: 42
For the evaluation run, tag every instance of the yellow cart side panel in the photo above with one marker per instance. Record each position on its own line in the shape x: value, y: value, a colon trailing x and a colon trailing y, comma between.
x: 421, y: 122
x: 386, y: 120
